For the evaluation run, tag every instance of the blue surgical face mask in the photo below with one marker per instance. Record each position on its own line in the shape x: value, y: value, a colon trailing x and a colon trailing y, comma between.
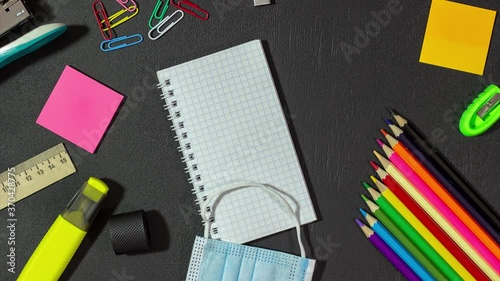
x: 216, y: 260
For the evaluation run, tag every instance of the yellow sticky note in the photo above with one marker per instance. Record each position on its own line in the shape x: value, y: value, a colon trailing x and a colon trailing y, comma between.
x: 457, y: 36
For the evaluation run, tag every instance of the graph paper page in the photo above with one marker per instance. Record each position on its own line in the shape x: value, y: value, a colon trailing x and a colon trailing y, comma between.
x: 235, y: 130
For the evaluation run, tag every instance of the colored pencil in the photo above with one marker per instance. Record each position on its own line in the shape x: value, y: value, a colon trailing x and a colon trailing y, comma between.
x: 433, y: 213
x: 396, y: 246
x: 446, y: 182
x: 407, y: 242
x: 423, y: 223
x: 388, y: 252
x: 442, y: 209
x: 465, y: 188
x: 417, y: 237
x: 394, y: 190
x: 441, y: 192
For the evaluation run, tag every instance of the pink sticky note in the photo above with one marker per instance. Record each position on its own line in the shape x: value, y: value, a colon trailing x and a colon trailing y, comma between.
x: 79, y: 109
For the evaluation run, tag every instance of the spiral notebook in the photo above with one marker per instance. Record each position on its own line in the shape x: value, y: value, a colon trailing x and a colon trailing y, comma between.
x: 228, y: 120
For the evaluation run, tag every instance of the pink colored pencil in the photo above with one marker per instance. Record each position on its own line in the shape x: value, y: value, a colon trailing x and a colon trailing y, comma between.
x: 442, y: 208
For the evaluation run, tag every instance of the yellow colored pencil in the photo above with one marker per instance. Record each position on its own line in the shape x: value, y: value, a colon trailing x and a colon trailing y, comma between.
x: 421, y: 228
x: 434, y: 214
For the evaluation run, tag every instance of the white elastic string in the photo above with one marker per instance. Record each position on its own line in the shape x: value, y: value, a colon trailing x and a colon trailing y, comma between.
x: 232, y: 187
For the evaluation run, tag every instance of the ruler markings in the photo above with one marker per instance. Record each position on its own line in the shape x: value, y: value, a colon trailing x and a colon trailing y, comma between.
x: 33, y: 182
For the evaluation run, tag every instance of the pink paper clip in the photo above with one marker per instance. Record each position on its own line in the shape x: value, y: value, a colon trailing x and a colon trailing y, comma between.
x: 102, y: 19
x: 124, y: 2
x: 191, y: 8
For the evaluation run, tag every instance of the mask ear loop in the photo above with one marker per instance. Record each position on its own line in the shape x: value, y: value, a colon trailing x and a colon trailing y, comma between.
x: 232, y: 187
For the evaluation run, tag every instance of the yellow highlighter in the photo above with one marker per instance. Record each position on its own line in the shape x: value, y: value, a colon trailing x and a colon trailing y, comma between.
x: 65, y: 235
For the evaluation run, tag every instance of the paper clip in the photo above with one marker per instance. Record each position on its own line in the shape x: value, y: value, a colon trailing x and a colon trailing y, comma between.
x: 482, y: 113
x: 191, y: 8
x: 155, y: 15
x: 107, y: 45
x: 102, y: 19
x: 162, y: 23
x: 131, y: 8
x: 114, y: 16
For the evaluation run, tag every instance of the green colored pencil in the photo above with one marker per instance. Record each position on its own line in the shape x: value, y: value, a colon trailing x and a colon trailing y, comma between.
x: 405, y: 241
x: 417, y: 239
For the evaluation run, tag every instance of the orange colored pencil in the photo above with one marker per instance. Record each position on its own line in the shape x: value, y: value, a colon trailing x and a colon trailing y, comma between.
x: 443, y: 194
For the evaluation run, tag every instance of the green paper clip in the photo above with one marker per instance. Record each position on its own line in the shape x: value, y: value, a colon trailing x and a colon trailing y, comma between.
x: 155, y: 15
x: 482, y: 113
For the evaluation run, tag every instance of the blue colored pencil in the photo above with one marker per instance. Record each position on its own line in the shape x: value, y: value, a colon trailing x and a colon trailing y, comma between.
x: 397, y: 247
x: 448, y: 184
x: 400, y: 265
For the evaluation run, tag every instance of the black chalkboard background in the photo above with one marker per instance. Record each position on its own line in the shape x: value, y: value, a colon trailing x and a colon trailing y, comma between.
x: 334, y: 101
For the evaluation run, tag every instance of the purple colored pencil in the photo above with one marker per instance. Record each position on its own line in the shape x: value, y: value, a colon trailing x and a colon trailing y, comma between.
x: 388, y: 252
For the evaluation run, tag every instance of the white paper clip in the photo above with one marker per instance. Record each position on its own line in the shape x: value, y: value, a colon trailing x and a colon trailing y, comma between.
x: 158, y: 27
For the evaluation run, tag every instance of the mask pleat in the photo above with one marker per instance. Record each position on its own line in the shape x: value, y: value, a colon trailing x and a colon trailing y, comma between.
x: 270, y: 266
x: 248, y: 264
x: 214, y: 261
x: 233, y: 263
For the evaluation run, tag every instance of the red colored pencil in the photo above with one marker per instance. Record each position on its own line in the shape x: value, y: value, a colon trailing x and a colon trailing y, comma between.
x: 443, y: 201
x: 428, y: 222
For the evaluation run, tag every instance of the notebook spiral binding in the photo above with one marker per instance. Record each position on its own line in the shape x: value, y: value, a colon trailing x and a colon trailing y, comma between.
x: 185, y: 147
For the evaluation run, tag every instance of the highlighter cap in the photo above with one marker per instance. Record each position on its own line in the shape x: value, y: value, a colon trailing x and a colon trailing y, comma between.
x: 85, y: 205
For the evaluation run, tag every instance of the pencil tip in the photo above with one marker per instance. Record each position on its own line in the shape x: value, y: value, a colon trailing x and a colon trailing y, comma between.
x: 360, y: 223
x: 374, y: 165
x: 363, y: 212
x: 374, y: 179
x: 389, y: 121
x: 384, y: 132
x: 366, y: 185
x: 365, y: 198
x: 380, y: 143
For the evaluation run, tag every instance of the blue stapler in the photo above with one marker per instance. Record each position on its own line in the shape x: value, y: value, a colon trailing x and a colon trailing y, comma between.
x: 30, y: 42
